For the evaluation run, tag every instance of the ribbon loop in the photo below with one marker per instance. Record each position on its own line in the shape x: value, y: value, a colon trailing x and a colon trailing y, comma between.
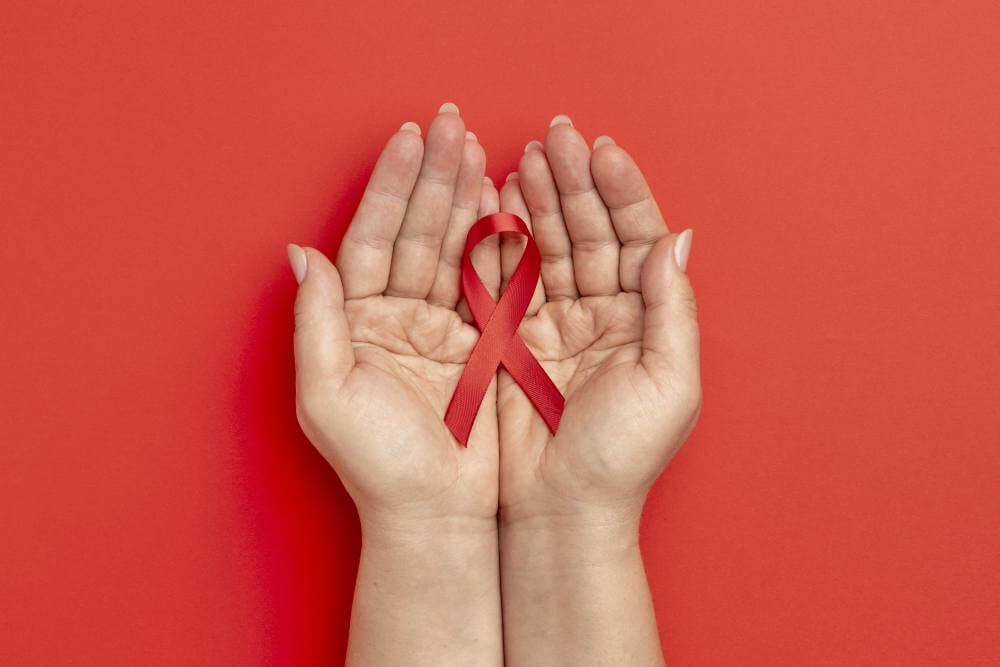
x: 499, y: 342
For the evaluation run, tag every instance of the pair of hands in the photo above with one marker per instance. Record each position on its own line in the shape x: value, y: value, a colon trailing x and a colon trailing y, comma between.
x: 381, y: 337
x: 550, y: 524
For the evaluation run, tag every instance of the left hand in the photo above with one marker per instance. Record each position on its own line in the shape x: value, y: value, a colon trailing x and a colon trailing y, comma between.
x: 613, y: 323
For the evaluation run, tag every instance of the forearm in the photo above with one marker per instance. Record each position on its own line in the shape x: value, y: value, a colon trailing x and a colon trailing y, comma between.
x: 427, y: 593
x: 575, y: 593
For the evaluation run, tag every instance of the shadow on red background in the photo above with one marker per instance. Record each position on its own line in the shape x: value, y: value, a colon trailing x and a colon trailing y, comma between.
x: 297, y: 509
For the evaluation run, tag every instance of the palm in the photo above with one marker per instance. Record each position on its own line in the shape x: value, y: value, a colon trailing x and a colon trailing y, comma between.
x: 408, y: 358
x: 591, y: 348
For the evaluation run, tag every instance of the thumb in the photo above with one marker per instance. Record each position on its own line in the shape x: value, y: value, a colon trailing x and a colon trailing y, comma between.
x: 670, y: 335
x: 323, y: 350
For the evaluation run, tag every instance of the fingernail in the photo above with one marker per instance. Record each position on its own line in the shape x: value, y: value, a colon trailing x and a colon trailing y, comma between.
x: 511, y: 176
x: 409, y: 126
x: 560, y: 119
x: 602, y: 140
x: 469, y: 134
x: 533, y: 145
x: 682, y: 248
x: 448, y: 107
x: 487, y: 181
x: 297, y: 258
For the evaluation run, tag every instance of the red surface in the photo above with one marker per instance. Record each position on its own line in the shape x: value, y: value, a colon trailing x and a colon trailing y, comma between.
x: 839, y: 502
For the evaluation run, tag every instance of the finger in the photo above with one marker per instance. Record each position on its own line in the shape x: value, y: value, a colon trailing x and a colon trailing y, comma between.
x: 323, y: 351
x: 512, y: 245
x: 595, y: 244
x: 445, y: 290
x: 486, y: 255
x: 634, y: 213
x: 542, y: 200
x: 366, y: 249
x: 416, y: 249
x: 670, y: 333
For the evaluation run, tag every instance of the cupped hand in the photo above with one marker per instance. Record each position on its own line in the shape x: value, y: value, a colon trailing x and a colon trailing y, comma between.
x: 612, y: 321
x: 382, y: 337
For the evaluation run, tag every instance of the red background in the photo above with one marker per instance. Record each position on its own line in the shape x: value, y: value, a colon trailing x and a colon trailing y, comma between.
x: 839, y: 162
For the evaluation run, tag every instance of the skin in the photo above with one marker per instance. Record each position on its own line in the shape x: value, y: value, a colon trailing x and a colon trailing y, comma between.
x: 379, y: 347
x: 614, y: 326
x: 381, y: 339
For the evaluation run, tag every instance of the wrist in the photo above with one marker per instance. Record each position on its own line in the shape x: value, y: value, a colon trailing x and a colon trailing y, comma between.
x: 574, y: 585
x: 436, y: 564
x: 568, y: 536
x: 562, y: 514
x: 388, y: 531
x: 432, y: 586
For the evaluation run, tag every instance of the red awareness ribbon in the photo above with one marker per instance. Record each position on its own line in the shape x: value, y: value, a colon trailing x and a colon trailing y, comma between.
x: 499, y: 342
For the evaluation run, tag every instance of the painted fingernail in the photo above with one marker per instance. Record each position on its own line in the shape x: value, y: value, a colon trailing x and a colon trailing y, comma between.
x: 469, y: 134
x: 448, y: 107
x: 409, y: 126
x: 297, y: 258
x: 487, y: 181
x: 682, y: 248
x: 533, y: 145
x: 511, y: 176
x: 561, y: 119
x: 603, y: 140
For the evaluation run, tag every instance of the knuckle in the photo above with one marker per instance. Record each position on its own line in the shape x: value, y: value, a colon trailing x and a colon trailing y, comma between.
x: 422, y: 239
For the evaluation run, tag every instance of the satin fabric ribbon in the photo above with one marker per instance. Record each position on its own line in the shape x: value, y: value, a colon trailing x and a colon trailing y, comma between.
x: 499, y: 342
